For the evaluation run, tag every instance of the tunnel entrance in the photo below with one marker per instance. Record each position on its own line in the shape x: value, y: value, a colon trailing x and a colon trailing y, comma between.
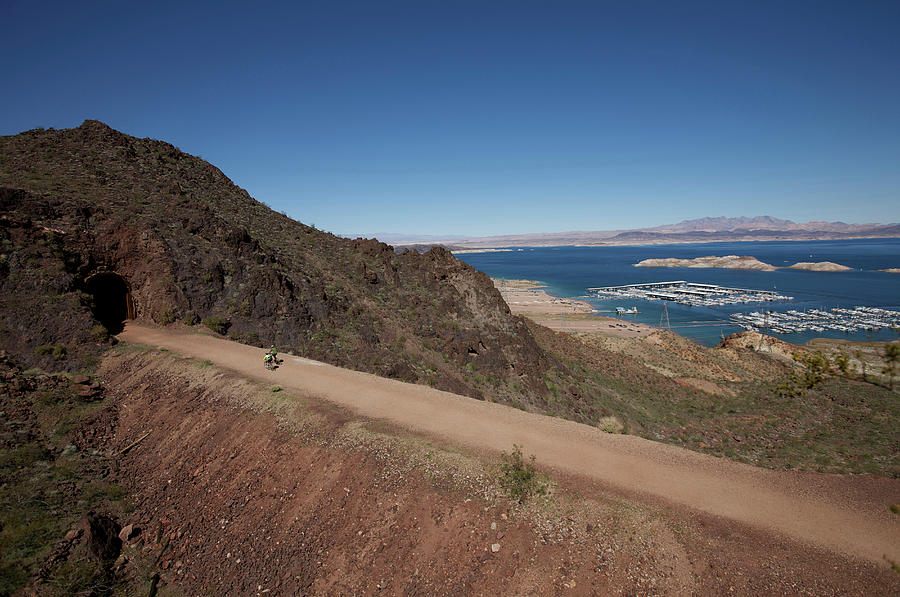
x: 111, y: 302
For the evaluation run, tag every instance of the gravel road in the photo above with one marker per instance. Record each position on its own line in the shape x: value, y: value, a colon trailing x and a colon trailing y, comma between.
x: 845, y: 514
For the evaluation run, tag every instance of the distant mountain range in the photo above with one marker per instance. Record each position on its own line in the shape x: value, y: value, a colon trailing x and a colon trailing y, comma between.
x: 766, y: 223
x: 688, y: 231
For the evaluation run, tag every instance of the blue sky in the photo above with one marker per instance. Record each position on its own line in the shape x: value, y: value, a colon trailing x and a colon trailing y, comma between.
x: 489, y: 117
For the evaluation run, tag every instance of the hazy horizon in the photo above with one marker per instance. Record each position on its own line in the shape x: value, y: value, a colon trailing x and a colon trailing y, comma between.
x: 439, y: 237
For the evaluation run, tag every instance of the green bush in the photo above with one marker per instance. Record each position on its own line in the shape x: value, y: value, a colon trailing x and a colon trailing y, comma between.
x: 217, y: 324
x: 59, y: 351
x: 519, y: 478
x: 842, y: 363
x: 167, y: 316
x: 815, y: 370
x: 99, y: 333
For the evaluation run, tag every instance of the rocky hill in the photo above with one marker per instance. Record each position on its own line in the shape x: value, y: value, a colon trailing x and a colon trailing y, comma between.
x: 98, y: 226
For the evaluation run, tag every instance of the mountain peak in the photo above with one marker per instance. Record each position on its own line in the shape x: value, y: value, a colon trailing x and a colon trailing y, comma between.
x: 89, y: 124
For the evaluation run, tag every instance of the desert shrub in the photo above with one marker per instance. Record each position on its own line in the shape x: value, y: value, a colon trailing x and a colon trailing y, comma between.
x: 80, y: 577
x: 59, y: 351
x: 891, y: 360
x: 519, y: 477
x: 276, y: 388
x: 816, y: 368
x: 217, y: 324
x: 167, y: 316
x: 190, y: 319
x: 610, y: 425
x: 99, y: 333
x: 842, y: 363
x: 789, y: 388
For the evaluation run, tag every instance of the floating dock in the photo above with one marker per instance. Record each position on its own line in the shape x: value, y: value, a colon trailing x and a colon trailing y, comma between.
x: 689, y: 293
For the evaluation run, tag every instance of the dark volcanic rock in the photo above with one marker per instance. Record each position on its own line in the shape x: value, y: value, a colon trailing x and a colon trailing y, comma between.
x: 101, y: 533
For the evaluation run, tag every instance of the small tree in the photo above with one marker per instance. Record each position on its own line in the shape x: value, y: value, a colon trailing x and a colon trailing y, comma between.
x: 842, y: 363
x: 891, y: 358
x: 815, y: 368
x: 862, y: 364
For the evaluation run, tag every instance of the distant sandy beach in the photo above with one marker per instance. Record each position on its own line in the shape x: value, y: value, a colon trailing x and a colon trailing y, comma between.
x: 528, y: 298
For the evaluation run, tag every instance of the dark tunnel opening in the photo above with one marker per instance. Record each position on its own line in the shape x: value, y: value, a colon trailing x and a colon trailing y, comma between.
x: 111, y: 302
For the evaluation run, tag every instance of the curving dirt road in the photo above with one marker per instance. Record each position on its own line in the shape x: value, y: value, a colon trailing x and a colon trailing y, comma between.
x: 848, y: 515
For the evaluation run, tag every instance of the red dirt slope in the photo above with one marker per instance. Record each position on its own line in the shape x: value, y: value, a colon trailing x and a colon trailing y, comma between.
x: 235, y: 501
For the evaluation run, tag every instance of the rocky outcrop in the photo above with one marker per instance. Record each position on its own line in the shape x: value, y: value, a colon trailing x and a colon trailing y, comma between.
x: 820, y: 266
x: 761, y: 343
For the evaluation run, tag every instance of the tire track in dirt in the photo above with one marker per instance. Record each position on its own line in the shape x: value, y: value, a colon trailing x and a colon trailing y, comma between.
x: 811, y: 508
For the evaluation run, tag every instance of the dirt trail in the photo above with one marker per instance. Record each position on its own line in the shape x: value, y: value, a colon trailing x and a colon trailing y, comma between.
x: 843, y: 514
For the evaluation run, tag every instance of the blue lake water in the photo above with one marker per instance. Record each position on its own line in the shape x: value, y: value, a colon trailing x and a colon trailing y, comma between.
x: 570, y: 271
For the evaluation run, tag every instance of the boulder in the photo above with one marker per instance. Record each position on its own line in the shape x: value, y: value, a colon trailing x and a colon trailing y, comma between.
x: 101, y: 533
x: 129, y: 532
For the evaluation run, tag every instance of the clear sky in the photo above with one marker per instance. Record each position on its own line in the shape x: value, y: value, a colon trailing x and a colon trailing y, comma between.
x: 488, y: 117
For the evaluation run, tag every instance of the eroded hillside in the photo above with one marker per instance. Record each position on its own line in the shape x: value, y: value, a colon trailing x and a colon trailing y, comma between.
x: 98, y: 226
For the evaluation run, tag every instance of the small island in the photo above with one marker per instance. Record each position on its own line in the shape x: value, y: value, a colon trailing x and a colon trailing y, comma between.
x: 741, y: 262
x: 821, y: 266
x: 891, y: 270
x: 726, y: 262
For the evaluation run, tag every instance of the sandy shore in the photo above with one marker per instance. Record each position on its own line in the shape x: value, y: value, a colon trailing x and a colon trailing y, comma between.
x: 528, y: 297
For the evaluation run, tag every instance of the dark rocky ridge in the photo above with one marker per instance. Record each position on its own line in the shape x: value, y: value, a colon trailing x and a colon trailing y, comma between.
x: 90, y: 207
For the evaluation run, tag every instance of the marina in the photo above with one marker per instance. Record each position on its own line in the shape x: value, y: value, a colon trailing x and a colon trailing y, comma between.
x: 689, y: 293
x: 699, y: 314
x: 858, y: 319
